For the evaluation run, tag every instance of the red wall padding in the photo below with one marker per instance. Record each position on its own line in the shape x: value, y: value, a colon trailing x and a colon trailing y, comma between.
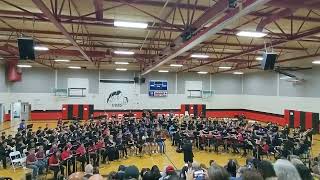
x: 46, y: 115
x: 222, y: 113
x: 264, y: 117
x: 86, y: 110
x: 296, y: 119
x: 286, y: 116
x: 7, y: 117
x: 199, y: 111
x: 64, y: 111
x: 82, y: 111
x: 303, y: 119
x: 75, y: 111
x: 308, y: 120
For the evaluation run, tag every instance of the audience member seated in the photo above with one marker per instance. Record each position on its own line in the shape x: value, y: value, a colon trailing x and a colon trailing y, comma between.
x: 34, y: 164
x: 55, y: 164
x: 88, y: 172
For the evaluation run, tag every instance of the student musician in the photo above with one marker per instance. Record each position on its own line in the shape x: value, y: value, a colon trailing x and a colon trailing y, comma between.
x: 55, y: 165
x: 67, y: 159
x: 81, y: 155
x: 93, y: 153
x: 4, y: 153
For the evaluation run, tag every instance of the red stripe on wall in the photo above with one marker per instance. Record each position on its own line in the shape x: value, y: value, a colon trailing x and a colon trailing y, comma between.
x: 86, y: 111
x: 75, y: 112
x: 221, y: 114
x: 286, y: 116
x: 183, y: 108
x: 191, y: 109
x: 7, y: 117
x: 200, y: 110
x: 265, y: 117
x: 46, y: 115
x: 296, y: 118
x: 308, y: 120
x: 64, y: 111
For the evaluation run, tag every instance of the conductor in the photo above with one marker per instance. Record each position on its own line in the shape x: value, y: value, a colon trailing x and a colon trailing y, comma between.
x: 187, y: 151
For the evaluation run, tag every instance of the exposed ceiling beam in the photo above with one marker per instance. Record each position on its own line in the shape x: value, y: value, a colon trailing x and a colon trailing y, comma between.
x: 215, y: 27
x: 98, y: 5
x: 275, y: 3
x: 261, y: 47
x: 278, y: 62
x: 307, y: 4
x: 274, y: 17
x: 51, y: 17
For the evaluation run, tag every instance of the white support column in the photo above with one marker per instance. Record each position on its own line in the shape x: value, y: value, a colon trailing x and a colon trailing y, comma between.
x: 176, y: 90
x: 210, y: 78
x: 99, y: 74
x: 242, y: 77
x: 56, y: 78
x: 278, y: 84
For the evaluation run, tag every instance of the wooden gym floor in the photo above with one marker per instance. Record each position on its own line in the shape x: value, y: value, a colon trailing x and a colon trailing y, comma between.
x: 170, y: 157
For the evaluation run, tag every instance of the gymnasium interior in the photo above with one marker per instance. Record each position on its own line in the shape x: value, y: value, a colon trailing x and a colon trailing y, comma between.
x: 159, y: 89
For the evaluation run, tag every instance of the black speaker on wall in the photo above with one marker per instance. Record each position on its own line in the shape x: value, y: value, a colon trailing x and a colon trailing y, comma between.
x: 136, y: 79
x: 26, y: 49
x: 268, y: 61
x: 142, y: 80
x: 139, y: 80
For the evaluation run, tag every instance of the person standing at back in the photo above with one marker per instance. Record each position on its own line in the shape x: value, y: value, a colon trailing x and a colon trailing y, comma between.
x: 187, y: 151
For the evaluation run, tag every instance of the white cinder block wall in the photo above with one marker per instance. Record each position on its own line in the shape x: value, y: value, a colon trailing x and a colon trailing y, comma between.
x: 261, y: 91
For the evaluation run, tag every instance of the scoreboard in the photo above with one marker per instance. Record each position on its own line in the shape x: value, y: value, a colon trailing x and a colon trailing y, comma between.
x: 158, y: 88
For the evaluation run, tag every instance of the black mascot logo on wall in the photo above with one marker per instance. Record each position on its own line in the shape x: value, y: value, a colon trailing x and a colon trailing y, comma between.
x: 117, y: 99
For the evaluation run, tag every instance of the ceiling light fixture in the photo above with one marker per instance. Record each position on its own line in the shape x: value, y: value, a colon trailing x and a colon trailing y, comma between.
x: 74, y: 67
x: 62, y: 60
x: 41, y: 48
x: 124, y: 52
x: 238, y: 72
x: 176, y: 65
x: 122, y: 63
x: 251, y: 34
x: 316, y: 62
x: 224, y: 67
x: 121, y: 69
x: 202, y: 72
x: 260, y: 58
x: 163, y: 71
x: 24, y: 66
x: 202, y: 56
x: 130, y: 24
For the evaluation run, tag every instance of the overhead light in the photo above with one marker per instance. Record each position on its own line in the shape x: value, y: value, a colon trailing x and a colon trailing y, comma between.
x: 176, y: 65
x: 316, y: 62
x: 251, y: 34
x: 62, y: 60
x: 121, y: 69
x: 163, y: 71
x: 202, y: 72
x: 238, y: 72
x: 74, y: 67
x: 285, y: 77
x: 202, y: 56
x: 224, y: 67
x: 41, y: 48
x: 130, y: 24
x: 260, y: 58
x: 121, y: 63
x: 124, y: 52
x: 24, y: 66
